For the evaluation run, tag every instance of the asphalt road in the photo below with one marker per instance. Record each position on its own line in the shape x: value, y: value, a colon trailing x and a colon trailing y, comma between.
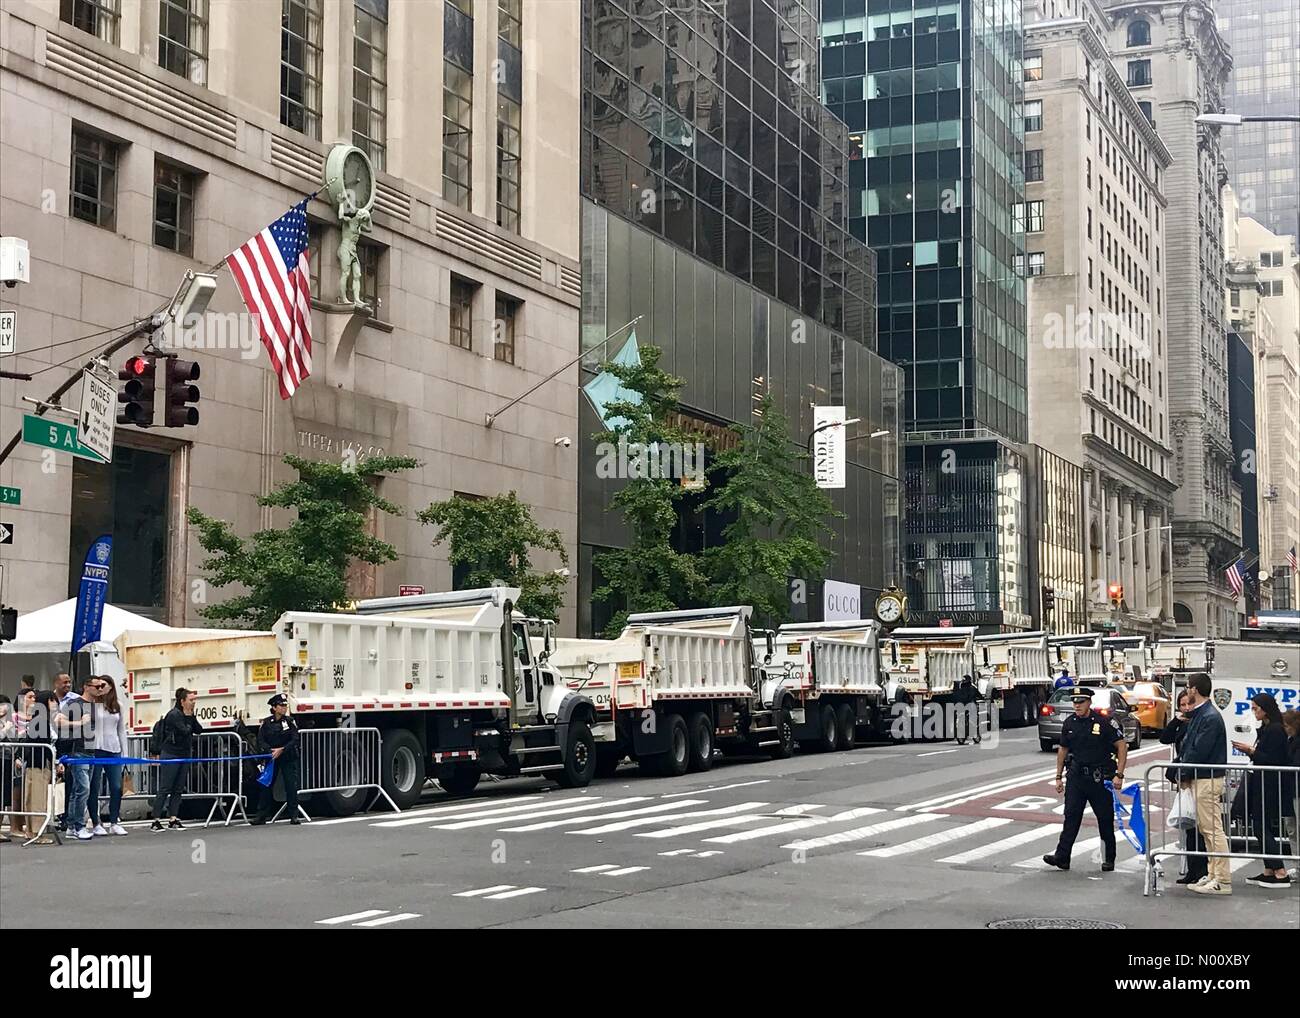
x: 924, y: 835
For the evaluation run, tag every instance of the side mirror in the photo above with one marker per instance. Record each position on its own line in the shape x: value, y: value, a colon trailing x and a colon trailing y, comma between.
x: 591, y: 667
x: 544, y: 656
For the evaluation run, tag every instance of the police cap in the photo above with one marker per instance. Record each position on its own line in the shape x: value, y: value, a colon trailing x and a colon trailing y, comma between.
x: 279, y: 700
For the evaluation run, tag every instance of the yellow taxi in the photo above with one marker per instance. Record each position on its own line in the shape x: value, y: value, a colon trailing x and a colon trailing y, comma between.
x: 1150, y: 703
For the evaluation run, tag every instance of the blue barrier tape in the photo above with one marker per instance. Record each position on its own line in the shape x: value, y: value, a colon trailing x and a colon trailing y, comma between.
x: 90, y: 761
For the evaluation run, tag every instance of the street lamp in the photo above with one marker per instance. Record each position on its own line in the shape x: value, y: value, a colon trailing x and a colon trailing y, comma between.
x: 827, y: 425
x: 1237, y: 119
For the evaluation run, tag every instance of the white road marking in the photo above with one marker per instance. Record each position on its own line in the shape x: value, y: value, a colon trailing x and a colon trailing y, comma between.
x: 733, y: 821
x: 624, y: 871
x: 623, y: 825
x: 340, y: 919
x: 580, y: 807
x: 410, y: 815
x: 1081, y: 853
x: 795, y: 825
x: 659, y: 808
x: 862, y: 833
x: 1038, y: 832
x: 716, y: 788
x: 596, y: 869
x: 939, y: 838
x: 937, y: 752
x: 680, y: 851
x: 483, y: 890
x: 518, y: 892
x: 399, y: 917
x: 526, y: 802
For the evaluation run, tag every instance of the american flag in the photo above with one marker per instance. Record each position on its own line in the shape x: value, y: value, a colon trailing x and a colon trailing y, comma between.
x: 1237, y: 576
x: 1291, y: 560
x: 274, y: 278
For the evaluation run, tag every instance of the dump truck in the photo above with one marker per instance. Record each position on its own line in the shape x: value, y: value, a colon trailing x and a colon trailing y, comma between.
x: 826, y: 676
x: 1015, y: 673
x: 1079, y: 656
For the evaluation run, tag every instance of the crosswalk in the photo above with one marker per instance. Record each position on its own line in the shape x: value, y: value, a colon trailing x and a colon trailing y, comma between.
x: 697, y: 826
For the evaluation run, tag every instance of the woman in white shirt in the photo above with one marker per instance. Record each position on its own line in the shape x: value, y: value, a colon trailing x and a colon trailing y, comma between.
x: 109, y: 741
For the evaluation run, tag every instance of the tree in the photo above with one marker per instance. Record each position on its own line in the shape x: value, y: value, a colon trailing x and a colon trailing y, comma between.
x: 303, y: 566
x: 778, y: 515
x: 649, y: 574
x: 493, y: 538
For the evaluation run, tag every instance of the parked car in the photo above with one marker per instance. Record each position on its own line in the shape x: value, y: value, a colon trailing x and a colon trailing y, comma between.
x: 1150, y: 701
x: 1106, y: 700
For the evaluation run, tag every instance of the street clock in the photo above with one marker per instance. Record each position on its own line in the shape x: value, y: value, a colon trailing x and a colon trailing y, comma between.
x: 890, y: 606
x: 350, y: 178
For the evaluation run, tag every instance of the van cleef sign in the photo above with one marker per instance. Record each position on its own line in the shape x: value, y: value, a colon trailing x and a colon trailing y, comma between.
x: 315, y: 441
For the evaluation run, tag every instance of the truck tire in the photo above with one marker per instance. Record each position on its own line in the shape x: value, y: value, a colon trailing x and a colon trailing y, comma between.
x: 700, y: 730
x: 458, y: 779
x: 579, y: 757
x: 784, y: 748
x: 401, y: 767
x: 673, y: 762
x: 847, y: 723
x: 828, y: 738
x: 1046, y: 745
x: 347, y: 801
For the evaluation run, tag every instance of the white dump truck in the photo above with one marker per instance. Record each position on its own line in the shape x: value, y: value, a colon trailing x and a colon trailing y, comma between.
x: 1079, y: 656
x: 1015, y: 672
x: 1125, y: 658
x: 826, y: 677
x: 672, y: 686
x: 922, y: 664
x: 1169, y: 659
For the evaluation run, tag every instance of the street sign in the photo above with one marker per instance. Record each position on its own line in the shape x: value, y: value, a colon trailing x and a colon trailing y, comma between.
x: 95, y: 422
x: 409, y: 590
x: 10, y: 496
x: 6, y: 533
x: 8, y: 332
x: 56, y: 435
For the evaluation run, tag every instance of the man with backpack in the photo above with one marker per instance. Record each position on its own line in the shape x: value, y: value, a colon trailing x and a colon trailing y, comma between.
x: 173, y: 739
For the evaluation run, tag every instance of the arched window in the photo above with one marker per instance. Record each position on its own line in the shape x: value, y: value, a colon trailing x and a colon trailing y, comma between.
x: 1139, y: 33
x: 1182, y: 614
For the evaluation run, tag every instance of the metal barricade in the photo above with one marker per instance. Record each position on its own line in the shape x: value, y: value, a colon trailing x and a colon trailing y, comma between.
x: 27, y: 770
x: 218, y: 776
x: 1255, y: 810
x: 340, y: 760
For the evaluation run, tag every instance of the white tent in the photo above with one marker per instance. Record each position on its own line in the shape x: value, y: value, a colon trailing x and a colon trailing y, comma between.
x: 53, y: 624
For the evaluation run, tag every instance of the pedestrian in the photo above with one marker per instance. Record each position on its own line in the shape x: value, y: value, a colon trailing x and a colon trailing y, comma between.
x: 1063, y: 681
x: 1093, y: 750
x: 1291, y: 722
x: 179, y: 727
x: 72, y: 728
x: 1268, y: 798
x: 966, y: 722
x: 1205, y: 741
x: 27, y: 684
x: 109, y: 741
x: 1197, y: 867
x: 8, y: 759
x: 24, y: 709
x: 279, y: 734
x: 33, y: 793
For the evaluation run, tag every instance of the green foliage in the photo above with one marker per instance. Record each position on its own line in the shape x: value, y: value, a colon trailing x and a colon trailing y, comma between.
x: 779, y: 514
x: 303, y: 566
x: 493, y: 538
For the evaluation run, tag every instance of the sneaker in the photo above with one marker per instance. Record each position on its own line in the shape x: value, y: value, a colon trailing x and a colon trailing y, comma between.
x: 175, y: 825
x: 83, y: 834
x: 1268, y: 880
x: 1203, y: 880
x: 1212, y: 887
x: 157, y: 826
x: 1190, y: 878
x: 117, y: 829
x: 100, y: 831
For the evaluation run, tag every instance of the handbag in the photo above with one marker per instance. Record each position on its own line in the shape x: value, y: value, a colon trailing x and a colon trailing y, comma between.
x: 1182, y: 812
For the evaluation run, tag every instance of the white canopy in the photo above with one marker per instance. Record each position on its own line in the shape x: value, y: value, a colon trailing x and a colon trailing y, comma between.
x: 53, y: 624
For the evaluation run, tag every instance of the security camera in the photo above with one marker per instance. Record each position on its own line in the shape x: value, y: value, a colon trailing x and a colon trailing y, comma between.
x: 564, y: 441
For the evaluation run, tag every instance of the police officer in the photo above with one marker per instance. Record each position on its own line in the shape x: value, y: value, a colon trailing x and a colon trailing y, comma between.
x: 1094, y: 750
x: 279, y: 734
x: 1063, y: 680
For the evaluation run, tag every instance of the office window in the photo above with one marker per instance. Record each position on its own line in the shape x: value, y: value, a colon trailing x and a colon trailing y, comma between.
x: 183, y: 38
x: 457, y: 101
x: 98, y: 17
x: 369, y: 255
x: 508, y: 22
x: 94, y: 179
x: 460, y: 326
x: 1139, y: 33
x: 1036, y: 263
x: 1033, y: 164
x: 1018, y: 263
x: 1034, y: 115
x: 1034, y: 217
x: 1139, y: 72
x: 503, y: 330
x: 1090, y: 224
x: 508, y: 175
x: 1087, y: 176
x: 1033, y: 67
x: 315, y: 238
x: 1146, y: 108
x: 173, y: 207
x: 300, y: 66
x: 369, y: 79
x: 1270, y: 259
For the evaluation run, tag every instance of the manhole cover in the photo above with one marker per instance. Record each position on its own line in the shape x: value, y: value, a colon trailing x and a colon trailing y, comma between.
x: 1054, y: 924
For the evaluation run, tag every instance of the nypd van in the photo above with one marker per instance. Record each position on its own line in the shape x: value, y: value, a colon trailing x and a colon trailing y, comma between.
x: 1242, y: 669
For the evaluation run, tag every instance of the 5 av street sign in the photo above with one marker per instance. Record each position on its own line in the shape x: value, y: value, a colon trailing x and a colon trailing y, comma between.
x: 56, y: 435
x: 10, y: 496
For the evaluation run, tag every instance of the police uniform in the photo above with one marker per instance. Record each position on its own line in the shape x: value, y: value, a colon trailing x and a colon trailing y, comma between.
x: 280, y: 733
x: 1090, y: 744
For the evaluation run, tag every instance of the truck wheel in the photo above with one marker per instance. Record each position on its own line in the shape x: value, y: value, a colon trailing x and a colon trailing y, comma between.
x: 607, y: 760
x: 673, y: 762
x: 458, y: 779
x: 700, y: 730
x: 828, y: 732
x: 784, y: 747
x: 579, y: 757
x: 401, y: 767
x: 847, y: 722
x: 346, y: 801
x: 1046, y: 745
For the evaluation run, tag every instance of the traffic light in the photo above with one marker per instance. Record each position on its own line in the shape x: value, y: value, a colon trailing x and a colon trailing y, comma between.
x: 1116, y: 594
x: 181, y: 393
x: 1049, y: 598
x: 138, y: 378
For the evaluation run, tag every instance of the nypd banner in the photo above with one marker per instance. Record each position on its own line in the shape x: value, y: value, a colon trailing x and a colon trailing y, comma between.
x: 93, y: 593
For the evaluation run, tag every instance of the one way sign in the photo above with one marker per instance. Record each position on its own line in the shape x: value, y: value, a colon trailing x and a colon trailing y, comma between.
x: 6, y: 533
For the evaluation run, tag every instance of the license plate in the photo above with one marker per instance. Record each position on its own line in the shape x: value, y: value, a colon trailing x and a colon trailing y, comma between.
x: 629, y: 671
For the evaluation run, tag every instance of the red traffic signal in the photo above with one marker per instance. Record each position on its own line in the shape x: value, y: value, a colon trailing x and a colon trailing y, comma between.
x: 136, y: 393
x: 180, y: 393
x: 1116, y: 591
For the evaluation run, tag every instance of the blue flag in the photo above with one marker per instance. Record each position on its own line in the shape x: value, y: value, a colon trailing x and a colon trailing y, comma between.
x: 1129, y: 820
x: 89, y: 620
x: 268, y: 774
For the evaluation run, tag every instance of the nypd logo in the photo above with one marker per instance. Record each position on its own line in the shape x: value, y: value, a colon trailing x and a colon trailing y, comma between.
x: 1222, y: 697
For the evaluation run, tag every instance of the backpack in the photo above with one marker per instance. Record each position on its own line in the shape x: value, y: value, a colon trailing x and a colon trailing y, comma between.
x: 158, y: 736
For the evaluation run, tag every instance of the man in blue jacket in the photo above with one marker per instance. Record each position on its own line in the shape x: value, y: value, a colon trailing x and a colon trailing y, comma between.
x: 1205, y: 741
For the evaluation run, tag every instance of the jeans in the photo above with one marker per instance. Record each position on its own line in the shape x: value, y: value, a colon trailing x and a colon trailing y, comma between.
x: 112, y: 774
x: 171, y: 786
x: 77, y: 779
